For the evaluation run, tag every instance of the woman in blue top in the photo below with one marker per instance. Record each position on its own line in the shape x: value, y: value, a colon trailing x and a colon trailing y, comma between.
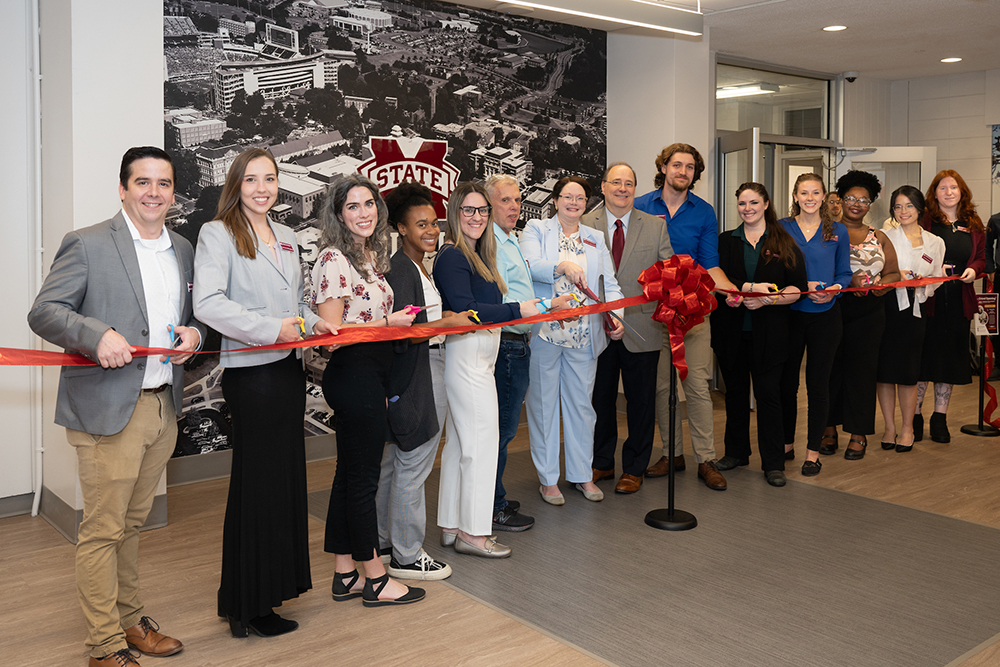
x: 466, y: 274
x: 816, y: 319
x: 563, y: 254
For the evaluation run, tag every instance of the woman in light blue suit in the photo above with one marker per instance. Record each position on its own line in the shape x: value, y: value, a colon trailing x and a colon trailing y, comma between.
x: 564, y: 255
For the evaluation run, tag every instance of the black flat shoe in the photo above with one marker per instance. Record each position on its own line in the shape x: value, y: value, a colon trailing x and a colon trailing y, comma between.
x: 374, y: 586
x: 918, y: 427
x: 790, y: 455
x: 342, y: 584
x: 828, y: 448
x: 775, y: 477
x: 888, y: 445
x: 811, y: 468
x: 271, y: 625
x: 939, y: 428
x: 903, y: 448
x: 856, y: 454
x: 730, y: 462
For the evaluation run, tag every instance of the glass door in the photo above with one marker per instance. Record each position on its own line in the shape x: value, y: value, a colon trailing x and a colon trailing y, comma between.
x: 739, y: 161
x: 894, y: 166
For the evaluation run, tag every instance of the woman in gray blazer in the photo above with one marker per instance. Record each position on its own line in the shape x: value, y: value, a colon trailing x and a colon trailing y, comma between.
x: 248, y: 287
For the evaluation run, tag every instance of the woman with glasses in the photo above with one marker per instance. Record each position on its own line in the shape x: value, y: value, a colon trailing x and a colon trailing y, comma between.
x: 873, y: 261
x: 950, y: 214
x: 920, y: 254
x: 466, y: 274
x: 566, y: 257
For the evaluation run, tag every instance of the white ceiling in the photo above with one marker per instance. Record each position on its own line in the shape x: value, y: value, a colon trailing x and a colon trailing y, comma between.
x: 885, y: 39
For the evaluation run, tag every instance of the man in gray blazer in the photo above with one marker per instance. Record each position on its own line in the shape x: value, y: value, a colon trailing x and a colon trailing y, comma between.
x: 123, y: 282
x: 637, y: 241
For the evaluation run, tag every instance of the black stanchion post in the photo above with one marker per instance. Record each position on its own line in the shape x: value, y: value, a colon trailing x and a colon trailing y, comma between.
x: 670, y: 518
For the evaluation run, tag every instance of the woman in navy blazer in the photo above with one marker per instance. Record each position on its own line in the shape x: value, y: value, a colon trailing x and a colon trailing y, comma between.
x: 248, y: 287
x: 564, y: 256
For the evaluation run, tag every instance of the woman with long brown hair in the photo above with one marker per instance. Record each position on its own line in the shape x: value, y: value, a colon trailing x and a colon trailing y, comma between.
x: 248, y: 287
x: 951, y: 215
x: 750, y: 337
x: 816, y: 320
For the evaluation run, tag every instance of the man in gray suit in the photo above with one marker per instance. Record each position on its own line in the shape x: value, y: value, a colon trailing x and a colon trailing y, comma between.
x: 637, y: 241
x: 123, y: 282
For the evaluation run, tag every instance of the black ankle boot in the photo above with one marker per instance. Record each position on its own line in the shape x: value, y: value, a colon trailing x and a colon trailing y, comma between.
x: 939, y: 428
x: 918, y: 427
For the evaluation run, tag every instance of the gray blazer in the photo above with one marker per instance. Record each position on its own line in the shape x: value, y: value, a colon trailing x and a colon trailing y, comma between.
x: 246, y: 299
x: 646, y: 242
x: 94, y: 285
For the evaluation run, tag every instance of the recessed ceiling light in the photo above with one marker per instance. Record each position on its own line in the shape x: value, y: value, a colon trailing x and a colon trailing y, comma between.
x: 951, y: 60
x: 835, y: 28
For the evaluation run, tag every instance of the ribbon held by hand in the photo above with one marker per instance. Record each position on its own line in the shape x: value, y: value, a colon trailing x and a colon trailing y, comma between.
x: 684, y: 290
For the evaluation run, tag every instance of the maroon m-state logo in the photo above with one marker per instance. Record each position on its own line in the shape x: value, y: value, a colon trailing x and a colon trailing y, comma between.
x: 398, y: 159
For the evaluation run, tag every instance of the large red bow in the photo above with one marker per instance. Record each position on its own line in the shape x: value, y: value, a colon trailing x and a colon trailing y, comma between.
x: 683, y: 289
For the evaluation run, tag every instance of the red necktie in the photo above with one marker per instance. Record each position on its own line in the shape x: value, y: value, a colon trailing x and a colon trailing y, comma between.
x: 618, y: 243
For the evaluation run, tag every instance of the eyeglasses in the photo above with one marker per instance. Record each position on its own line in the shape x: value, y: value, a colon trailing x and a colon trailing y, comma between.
x: 903, y: 207
x: 469, y: 211
x: 619, y: 183
x: 863, y: 201
x: 570, y: 199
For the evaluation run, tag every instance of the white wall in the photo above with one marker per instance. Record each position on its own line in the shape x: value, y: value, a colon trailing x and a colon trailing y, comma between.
x: 646, y: 108
x: 956, y: 114
x: 17, y: 252
x: 867, y: 118
x: 102, y: 92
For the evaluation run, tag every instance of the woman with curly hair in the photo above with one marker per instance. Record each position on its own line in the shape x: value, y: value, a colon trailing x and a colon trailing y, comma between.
x: 920, y: 254
x: 950, y: 214
x: 816, y: 320
x: 873, y: 261
x: 352, y: 291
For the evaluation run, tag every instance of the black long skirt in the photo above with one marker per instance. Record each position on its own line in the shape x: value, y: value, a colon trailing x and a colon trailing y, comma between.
x: 946, y: 356
x: 902, y: 343
x: 265, y: 540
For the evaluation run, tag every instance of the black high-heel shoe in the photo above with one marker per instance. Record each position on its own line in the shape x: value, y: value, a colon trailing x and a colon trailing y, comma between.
x: 342, y: 584
x: 374, y: 586
x: 239, y: 629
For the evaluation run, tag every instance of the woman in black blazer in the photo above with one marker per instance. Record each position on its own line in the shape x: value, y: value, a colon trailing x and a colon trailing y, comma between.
x: 750, y: 336
x: 417, y: 401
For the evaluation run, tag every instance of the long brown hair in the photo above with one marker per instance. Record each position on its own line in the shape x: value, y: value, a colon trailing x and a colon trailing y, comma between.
x: 334, y: 232
x: 966, y: 209
x: 779, y: 243
x: 824, y: 208
x: 482, y: 258
x: 230, y: 210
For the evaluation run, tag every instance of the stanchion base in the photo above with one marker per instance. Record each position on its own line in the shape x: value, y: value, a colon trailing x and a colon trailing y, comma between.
x: 664, y: 519
x: 984, y: 431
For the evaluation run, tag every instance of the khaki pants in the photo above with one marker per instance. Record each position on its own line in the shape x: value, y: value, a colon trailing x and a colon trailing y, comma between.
x: 118, y: 478
x: 697, y: 394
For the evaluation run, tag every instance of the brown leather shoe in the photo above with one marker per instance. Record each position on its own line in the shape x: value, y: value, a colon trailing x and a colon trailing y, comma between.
x: 661, y: 467
x: 601, y: 475
x: 628, y: 483
x: 144, y: 636
x: 712, y: 477
x: 122, y: 658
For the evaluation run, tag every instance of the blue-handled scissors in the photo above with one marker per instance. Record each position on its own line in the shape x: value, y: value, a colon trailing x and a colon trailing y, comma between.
x: 173, y: 342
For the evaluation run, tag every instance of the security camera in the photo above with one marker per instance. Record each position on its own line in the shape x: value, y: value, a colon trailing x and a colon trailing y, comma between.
x: 851, y: 76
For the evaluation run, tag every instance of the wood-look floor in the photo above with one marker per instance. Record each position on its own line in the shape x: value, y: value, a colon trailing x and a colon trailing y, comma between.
x: 41, y: 624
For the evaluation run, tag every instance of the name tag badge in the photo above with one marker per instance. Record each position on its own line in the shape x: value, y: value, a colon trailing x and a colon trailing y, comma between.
x: 927, y: 259
x: 590, y: 243
x: 961, y: 229
x: 286, y: 247
x: 834, y: 238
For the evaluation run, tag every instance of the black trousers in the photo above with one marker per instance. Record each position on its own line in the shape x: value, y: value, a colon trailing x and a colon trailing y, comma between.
x: 767, y: 389
x: 821, y: 332
x: 852, y: 381
x: 638, y: 376
x: 355, y: 385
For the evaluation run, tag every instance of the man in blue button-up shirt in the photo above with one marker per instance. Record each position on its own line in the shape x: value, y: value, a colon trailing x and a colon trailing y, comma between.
x: 694, y: 231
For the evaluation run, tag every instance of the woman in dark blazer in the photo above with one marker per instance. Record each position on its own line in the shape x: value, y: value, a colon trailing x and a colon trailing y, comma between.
x: 750, y: 336
x: 417, y: 400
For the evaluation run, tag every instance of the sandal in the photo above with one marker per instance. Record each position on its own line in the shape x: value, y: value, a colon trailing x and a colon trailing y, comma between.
x: 374, y: 586
x: 828, y: 444
x: 342, y: 584
x: 857, y: 454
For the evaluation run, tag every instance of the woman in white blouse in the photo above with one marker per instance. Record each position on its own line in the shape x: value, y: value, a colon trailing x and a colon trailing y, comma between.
x: 920, y: 254
x: 352, y: 291
x: 565, y: 256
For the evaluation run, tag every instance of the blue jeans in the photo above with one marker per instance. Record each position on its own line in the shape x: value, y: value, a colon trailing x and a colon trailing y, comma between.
x: 511, y: 375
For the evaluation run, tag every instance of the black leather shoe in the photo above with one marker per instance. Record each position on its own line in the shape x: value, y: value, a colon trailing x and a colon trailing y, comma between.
x: 775, y: 477
x: 856, y: 454
x: 939, y: 428
x: 826, y: 447
x: 888, y: 445
x: 918, y: 427
x: 271, y: 625
x: 811, y: 468
x: 790, y: 455
x: 903, y: 448
x: 730, y: 462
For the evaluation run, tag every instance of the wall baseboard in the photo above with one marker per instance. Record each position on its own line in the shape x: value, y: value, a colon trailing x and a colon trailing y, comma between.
x: 15, y: 505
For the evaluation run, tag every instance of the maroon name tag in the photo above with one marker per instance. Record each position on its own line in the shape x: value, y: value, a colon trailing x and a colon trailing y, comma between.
x: 287, y: 247
x: 590, y: 243
x: 962, y: 229
x: 927, y: 258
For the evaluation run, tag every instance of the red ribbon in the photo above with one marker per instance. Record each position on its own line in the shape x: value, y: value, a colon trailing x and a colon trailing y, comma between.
x: 684, y: 290
x: 912, y: 282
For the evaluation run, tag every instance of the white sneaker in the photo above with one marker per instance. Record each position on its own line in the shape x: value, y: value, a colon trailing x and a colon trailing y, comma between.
x: 425, y: 569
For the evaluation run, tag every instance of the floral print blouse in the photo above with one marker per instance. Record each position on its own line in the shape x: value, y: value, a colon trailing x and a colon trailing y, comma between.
x: 575, y: 334
x: 334, y: 278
